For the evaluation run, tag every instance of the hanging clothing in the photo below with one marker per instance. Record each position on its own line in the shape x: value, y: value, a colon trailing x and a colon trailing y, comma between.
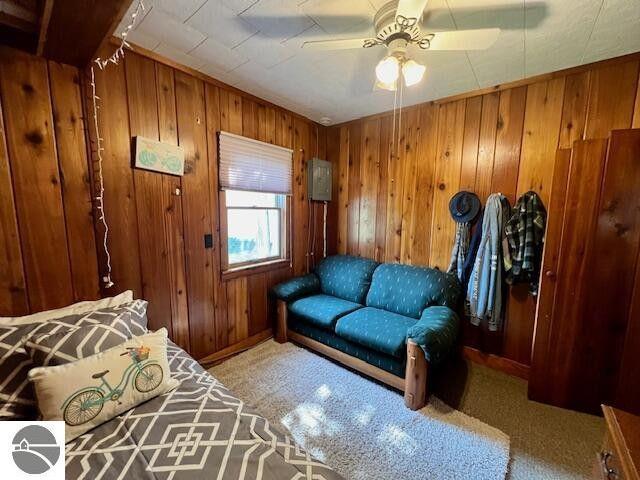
x: 471, y: 255
x: 460, y: 250
x: 484, y: 292
x: 525, y: 234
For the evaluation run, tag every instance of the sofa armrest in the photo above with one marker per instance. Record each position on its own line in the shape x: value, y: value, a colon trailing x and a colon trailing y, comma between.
x: 297, y: 287
x: 435, y: 332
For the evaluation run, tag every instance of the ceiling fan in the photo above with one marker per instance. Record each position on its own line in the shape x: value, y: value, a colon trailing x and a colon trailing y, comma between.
x: 397, y: 25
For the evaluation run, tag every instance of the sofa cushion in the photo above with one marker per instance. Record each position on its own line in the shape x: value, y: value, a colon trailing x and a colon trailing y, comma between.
x: 322, y: 310
x: 386, y: 362
x: 346, y: 277
x: 376, y: 329
x: 408, y: 290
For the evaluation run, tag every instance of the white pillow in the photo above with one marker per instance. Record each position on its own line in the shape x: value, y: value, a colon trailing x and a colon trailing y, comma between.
x: 76, y: 308
x: 88, y: 392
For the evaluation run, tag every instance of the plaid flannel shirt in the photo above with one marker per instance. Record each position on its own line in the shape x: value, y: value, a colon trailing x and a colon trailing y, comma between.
x: 525, y: 236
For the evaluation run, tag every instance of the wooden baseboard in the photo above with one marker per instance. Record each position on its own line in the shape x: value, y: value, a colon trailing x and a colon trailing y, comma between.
x: 348, y: 360
x: 505, y: 365
x: 236, y: 348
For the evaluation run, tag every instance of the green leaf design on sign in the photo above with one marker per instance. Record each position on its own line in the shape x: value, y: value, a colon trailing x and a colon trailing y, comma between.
x: 171, y: 162
x: 148, y: 158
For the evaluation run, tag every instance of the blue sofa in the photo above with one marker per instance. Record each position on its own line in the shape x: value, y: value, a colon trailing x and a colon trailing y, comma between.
x: 389, y: 321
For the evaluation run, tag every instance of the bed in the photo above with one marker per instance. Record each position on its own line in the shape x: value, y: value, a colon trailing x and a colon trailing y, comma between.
x: 200, y: 430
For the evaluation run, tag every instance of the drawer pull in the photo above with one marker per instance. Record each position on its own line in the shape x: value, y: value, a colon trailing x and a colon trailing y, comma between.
x: 611, y: 473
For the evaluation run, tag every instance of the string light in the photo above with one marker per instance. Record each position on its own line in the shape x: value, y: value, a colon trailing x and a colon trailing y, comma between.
x: 99, y: 199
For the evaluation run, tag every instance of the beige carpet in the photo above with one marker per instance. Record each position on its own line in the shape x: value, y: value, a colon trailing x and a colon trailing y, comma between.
x: 547, y: 443
x: 358, y: 427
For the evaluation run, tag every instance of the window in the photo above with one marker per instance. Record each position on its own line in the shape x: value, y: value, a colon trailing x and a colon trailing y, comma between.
x: 255, y: 182
x: 255, y: 227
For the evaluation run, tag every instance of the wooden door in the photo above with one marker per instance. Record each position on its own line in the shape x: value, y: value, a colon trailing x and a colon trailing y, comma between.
x: 588, y: 274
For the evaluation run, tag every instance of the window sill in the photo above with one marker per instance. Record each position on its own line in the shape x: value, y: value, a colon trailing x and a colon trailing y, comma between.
x: 255, y: 268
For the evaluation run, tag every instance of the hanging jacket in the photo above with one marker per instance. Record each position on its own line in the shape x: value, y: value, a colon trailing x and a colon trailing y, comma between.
x: 460, y: 251
x: 525, y: 234
x: 484, y: 291
x: 471, y: 254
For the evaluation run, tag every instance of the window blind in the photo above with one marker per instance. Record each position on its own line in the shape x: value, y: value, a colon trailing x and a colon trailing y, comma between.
x: 247, y: 164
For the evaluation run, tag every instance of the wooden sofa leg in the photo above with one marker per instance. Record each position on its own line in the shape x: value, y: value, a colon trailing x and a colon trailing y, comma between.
x: 415, y: 379
x: 281, y: 322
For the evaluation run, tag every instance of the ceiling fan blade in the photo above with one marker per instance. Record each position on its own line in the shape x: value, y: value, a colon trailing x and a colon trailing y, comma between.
x: 411, y: 8
x: 341, y: 44
x: 480, y: 39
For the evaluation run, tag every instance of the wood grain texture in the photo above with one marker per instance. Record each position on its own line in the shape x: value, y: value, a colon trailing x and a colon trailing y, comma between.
x: 369, y: 175
x: 62, y: 46
x: 447, y: 180
x: 611, y: 99
x: 151, y: 202
x: 119, y: 190
x: 197, y: 213
x: 582, y: 198
x: 13, y: 292
x: 549, y: 277
x: 502, y: 140
x: 574, y: 110
x: 24, y: 86
x: 605, y: 310
x: 172, y: 207
x: 66, y: 100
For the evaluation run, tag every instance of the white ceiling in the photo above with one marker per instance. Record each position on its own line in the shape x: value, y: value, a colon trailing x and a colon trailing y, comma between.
x: 255, y: 45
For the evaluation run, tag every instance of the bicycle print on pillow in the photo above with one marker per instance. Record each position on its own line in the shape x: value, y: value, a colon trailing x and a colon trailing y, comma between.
x: 142, y: 374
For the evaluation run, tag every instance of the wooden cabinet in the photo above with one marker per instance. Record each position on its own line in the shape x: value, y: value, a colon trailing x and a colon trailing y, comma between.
x: 581, y: 353
x: 619, y: 458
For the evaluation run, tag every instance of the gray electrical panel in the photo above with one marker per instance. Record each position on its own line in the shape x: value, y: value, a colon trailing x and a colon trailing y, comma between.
x: 319, y: 180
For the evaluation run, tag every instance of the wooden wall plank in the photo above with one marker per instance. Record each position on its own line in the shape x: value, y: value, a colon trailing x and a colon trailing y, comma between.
x: 119, y: 191
x: 423, y: 199
x: 353, y: 214
x: 409, y: 157
x: 604, y: 317
x: 540, y: 138
x: 258, y: 311
x: 66, y: 99
x: 611, y: 108
x: 585, y: 176
x: 636, y: 110
x: 447, y: 180
x: 574, y: 110
x: 151, y: 203
x: 343, y: 190
x: 369, y: 175
x: 383, y: 184
x: 473, y: 112
x: 508, y: 142
x: 24, y: 87
x: 487, y: 144
x: 238, y: 309
x: 13, y: 292
x: 302, y: 151
x: 214, y: 109
x: 395, y: 179
x: 197, y: 213
x: 548, y: 280
x: 172, y: 206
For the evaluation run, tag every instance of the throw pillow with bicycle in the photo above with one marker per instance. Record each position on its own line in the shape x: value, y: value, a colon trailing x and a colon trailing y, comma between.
x: 142, y: 374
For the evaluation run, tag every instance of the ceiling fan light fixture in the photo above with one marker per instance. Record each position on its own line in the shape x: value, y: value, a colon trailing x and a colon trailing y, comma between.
x: 388, y: 70
x: 387, y: 86
x: 412, y: 72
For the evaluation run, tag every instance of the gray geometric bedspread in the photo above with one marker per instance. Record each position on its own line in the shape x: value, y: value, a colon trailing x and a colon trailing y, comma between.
x: 198, y: 431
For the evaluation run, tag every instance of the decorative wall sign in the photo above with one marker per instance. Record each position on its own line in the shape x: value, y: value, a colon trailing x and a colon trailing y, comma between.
x: 159, y: 157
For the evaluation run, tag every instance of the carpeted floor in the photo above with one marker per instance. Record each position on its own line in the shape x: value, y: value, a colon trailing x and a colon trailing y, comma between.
x: 547, y: 443
x: 358, y: 427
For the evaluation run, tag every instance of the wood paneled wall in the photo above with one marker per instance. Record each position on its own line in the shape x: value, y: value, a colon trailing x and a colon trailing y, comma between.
x: 393, y: 199
x: 50, y: 246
